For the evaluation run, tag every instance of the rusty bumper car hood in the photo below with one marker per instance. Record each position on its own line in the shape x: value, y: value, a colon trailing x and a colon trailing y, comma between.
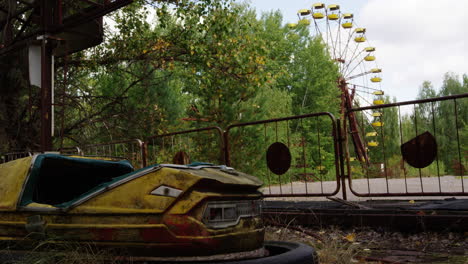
x: 220, y: 173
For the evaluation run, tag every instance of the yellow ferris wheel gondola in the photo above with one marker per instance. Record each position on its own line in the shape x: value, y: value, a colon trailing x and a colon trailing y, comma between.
x: 347, y: 20
x: 371, y: 57
x: 377, y: 114
x: 360, y: 30
x: 377, y: 124
x: 360, y: 35
x: 378, y: 92
x: 378, y: 102
x: 317, y: 10
x: 376, y: 79
x: 303, y: 12
x: 360, y: 39
x: 334, y: 12
x: 371, y: 134
x: 373, y: 144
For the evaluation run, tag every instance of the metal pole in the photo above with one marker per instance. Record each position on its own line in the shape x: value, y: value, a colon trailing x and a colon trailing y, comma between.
x: 46, y: 76
x: 46, y: 96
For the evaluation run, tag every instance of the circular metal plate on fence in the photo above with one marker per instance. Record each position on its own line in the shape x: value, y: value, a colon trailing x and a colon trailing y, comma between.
x: 278, y: 158
x: 420, y: 151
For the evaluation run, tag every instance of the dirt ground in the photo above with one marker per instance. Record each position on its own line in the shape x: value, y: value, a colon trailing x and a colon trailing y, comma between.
x: 373, y: 246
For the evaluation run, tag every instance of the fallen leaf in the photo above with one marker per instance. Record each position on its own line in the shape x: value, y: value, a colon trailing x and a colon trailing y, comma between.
x: 350, y: 237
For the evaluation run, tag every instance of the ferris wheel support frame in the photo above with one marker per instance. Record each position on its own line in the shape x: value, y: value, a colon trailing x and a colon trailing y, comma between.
x: 346, y: 104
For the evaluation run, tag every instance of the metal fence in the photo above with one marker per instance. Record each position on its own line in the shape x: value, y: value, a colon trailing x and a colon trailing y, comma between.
x: 184, y: 147
x: 131, y: 150
x: 6, y: 157
x: 415, y: 148
x: 71, y: 151
x: 294, y: 156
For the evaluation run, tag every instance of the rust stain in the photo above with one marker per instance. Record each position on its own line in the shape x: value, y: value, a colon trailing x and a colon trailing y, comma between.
x: 182, y: 226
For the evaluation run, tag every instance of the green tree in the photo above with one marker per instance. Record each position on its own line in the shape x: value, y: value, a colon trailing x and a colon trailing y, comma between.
x: 451, y: 122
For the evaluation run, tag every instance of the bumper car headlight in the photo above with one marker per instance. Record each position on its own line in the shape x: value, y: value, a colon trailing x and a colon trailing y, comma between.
x: 228, y: 213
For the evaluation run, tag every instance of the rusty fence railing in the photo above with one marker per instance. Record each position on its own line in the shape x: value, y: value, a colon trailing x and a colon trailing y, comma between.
x: 6, y: 157
x: 415, y: 148
x: 294, y: 156
x: 183, y: 147
x: 71, y: 151
x: 131, y: 150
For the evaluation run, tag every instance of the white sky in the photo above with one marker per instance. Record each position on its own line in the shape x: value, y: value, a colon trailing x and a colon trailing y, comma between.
x: 415, y: 40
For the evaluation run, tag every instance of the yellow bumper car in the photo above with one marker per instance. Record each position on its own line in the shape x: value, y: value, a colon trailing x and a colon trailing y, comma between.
x: 164, y: 210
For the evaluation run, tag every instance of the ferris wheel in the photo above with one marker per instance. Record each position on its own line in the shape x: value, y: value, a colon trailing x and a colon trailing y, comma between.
x: 360, y: 77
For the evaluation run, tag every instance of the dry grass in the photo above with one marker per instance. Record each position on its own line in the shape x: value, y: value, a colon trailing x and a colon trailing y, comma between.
x: 332, y: 247
x: 51, y: 252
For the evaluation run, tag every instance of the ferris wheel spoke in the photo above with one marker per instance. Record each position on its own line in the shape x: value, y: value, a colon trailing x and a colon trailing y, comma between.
x: 326, y: 30
x: 363, y: 91
x: 352, y: 63
x: 350, y: 34
x: 358, y: 75
x: 338, y: 39
x: 365, y: 87
x: 364, y: 99
x: 331, y: 40
x: 347, y: 72
x: 317, y: 29
x: 351, y: 60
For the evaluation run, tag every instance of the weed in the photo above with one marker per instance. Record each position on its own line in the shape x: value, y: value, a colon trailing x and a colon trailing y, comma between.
x: 49, y: 251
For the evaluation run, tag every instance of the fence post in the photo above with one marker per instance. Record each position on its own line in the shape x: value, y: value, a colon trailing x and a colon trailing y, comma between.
x: 227, y: 158
x: 144, y: 154
x: 341, y: 157
x: 142, y: 147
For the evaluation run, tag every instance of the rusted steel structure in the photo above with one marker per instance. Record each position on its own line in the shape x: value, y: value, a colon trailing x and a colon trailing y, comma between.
x: 346, y: 104
x: 46, y: 29
x: 288, y: 152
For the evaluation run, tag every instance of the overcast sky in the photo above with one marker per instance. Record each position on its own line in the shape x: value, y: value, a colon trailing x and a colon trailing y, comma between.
x: 415, y: 40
